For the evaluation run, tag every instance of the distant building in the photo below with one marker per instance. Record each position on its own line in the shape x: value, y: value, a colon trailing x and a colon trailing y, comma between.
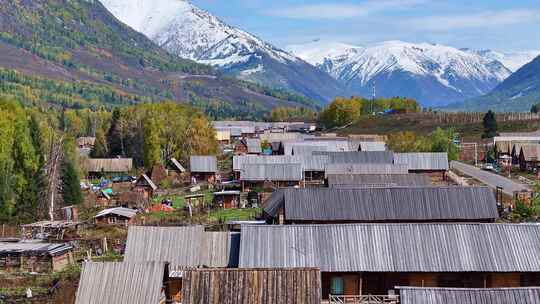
x: 203, y: 168
x: 98, y: 167
x: 376, y: 205
x: 35, y: 257
x: 115, y: 216
x: 145, y: 186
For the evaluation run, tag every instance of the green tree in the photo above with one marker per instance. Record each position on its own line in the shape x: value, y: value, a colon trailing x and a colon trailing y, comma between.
x: 100, y: 149
x: 341, y: 112
x: 71, y: 185
x: 443, y: 141
x: 115, y: 139
x: 152, y: 146
x: 490, y: 125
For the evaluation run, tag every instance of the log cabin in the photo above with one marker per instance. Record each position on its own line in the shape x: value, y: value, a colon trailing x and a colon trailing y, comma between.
x: 390, y: 205
x: 360, y: 259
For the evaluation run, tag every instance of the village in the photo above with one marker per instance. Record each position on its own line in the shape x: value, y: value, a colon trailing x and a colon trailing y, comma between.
x: 286, y: 213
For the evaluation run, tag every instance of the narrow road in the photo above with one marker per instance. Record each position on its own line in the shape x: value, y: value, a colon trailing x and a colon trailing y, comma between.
x: 490, y: 179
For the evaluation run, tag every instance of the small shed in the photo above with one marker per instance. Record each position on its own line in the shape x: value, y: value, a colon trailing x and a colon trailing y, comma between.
x: 252, y: 286
x: 223, y: 136
x: 227, y: 199
x: 176, y: 166
x: 103, y: 199
x: 31, y: 256
x: 115, y: 216
x: 280, y: 175
x: 203, y: 168
x: 97, y: 167
x: 145, y: 186
x: 529, y: 157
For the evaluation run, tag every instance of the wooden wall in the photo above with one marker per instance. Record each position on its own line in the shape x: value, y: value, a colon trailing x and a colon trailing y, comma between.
x: 251, y: 286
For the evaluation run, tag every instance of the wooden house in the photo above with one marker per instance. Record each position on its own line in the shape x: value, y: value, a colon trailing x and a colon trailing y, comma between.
x: 365, y: 169
x: 377, y: 180
x: 133, y: 200
x: 100, y: 167
x: 274, y: 175
x: 113, y: 283
x: 227, y: 199
x: 249, y: 146
x: 145, y: 186
x: 361, y: 259
x: 182, y: 247
x: 34, y: 257
x: 251, y: 286
x: 391, y: 205
x: 434, y: 164
x: 203, y: 168
x: 529, y: 157
x: 431, y: 295
x: 223, y: 136
x: 115, y: 216
x: 103, y: 199
x: 313, y: 167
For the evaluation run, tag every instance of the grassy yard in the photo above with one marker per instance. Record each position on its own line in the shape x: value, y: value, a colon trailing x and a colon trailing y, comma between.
x: 226, y: 215
x: 179, y: 201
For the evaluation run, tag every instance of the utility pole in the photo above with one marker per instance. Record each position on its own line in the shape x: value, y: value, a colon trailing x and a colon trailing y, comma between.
x: 373, y: 97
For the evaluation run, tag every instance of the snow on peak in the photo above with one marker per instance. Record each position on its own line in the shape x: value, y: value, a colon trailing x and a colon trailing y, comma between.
x: 364, y: 63
x: 512, y: 60
x: 190, y: 32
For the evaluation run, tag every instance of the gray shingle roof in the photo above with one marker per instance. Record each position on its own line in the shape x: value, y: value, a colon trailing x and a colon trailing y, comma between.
x: 181, y: 246
x: 423, y: 161
x: 360, y: 157
x: 110, y: 165
x: 330, y: 145
x: 417, y: 295
x: 31, y: 248
x: 386, y: 204
x: 366, y: 168
x: 309, y: 163
x: 203, y: 164
x: 274, y: 172
x: 372, y: 146
x: 134, y: 283
x: 376, y: 180
x: 251, y: 286
x: 394, y: 247
x: 121, y: 211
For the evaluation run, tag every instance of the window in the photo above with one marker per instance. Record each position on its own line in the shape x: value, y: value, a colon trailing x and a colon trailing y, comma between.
x: 337, y: 286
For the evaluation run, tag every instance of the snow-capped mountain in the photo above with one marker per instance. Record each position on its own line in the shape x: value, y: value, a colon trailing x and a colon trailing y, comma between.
x: 190, y: 32
x: 433, y: 74
x: 511, y: 60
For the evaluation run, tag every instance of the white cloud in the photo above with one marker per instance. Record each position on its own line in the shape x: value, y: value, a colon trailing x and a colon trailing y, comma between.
x: 479, y: 20
x: 340, y: 11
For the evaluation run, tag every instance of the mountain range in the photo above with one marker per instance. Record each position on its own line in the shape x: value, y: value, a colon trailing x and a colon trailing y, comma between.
x: 434, y: 74
x: 190, y: 32
x: 517, y: 93
x: 77, y: 54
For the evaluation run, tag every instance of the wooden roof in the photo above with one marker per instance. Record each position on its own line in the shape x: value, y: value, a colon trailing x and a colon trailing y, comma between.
x: 188, y: 246
x: 530, y: 152
x: 203, y: 164
x: 394, y: 247
x: 251, y: 286
x: 110, y: 165
x: 120, y: 283
x: 377, y: 180
x: 385, y: 204
x: 417, y: 295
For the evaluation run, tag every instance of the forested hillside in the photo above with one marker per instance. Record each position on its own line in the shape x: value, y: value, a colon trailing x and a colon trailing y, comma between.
x: 39, y: 159
x: 76, y: 54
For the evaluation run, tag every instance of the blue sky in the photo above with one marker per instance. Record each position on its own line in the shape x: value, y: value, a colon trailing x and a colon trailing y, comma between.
x: 502, y: 25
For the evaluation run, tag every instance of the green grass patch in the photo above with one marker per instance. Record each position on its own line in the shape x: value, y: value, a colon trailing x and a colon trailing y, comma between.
x: 225, y: 215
